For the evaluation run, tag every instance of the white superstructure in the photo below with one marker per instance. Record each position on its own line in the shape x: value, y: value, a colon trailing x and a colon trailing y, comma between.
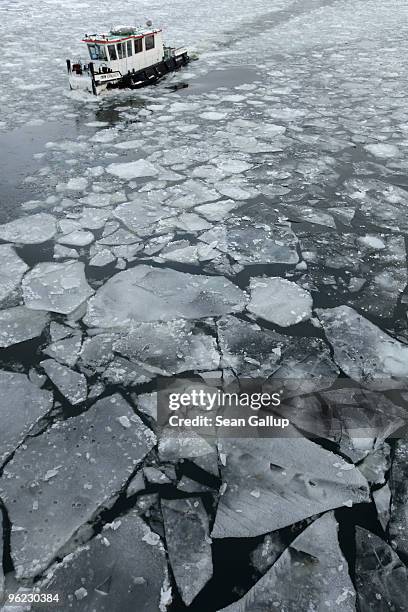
x: 126, y: 56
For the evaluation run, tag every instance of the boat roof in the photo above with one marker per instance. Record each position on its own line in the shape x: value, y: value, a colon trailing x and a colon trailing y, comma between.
x: 120, y: 33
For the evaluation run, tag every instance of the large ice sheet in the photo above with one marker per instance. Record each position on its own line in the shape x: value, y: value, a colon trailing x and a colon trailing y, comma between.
x: 22, y: 404
x: 364, y: 352
x: 58, y: 287
x: 272, y: 483
x: 62, y: 477
x: 155, y: 294
x: 33, y: 229
x: 122, y: 568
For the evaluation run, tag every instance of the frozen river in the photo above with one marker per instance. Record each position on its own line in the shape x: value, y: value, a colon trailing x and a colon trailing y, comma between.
x: 247, y: 217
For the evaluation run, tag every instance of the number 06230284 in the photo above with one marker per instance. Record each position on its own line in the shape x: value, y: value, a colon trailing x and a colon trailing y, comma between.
x: 28, y: 597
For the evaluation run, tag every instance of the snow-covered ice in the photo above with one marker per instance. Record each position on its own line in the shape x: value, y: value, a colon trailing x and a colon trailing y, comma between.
x: 19, y: 324
x: 132, y: 170
x: 57, y: 287
x: 153, y: 294
x: 279, y: 301
x: 77, y: 238
x: 33, y: 229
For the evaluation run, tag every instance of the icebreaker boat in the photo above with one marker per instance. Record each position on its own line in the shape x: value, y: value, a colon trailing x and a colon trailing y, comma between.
x: 125, y: 57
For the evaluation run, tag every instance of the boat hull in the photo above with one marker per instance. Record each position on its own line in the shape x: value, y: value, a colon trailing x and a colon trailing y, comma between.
x: 85, y: 77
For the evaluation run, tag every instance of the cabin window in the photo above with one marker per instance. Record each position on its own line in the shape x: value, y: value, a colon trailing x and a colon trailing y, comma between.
x: 102, y: 53
x: 97, y: 52
x: 138, y: 45
x: 149, y: 42
x: 112, y: 52
x: 93, y: 52
x: 121, y: 50
x: 129, y: 48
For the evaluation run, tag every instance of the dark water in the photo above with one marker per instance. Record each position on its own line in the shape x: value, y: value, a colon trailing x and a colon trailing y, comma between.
x: 17, y: 162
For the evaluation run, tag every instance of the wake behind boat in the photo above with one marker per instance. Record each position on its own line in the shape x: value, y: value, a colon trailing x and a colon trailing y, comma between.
x: 125, y: 57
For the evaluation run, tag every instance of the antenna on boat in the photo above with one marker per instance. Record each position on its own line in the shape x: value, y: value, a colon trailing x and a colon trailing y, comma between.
x: 149, y: 23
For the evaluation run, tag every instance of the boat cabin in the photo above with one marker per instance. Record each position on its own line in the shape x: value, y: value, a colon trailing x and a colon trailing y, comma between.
x: 126, y: 49
x: 126, y: 56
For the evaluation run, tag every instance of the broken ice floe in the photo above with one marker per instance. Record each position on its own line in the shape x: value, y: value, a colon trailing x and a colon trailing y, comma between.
x: 295, y: 479
x: 66, y: 350
x: 12, y: 271
x: 168, y: 348
x: 279, y: 301
x: 319, y: 577
x: 186, y: 527
x: 131, y: 170
x: 33, y: 229
x: 57, y: 287
x: 382, y: 500
x: 153, y: 294
x: 141, y: 213
x: 123, y: 567
x: 377, y: 463
x: 247, y: 349
x: 22, y: 404
x: 63, y: 476
x: 77, y: 238
x: 381, y: 577
x: 20, y: 324
x: 398, y: 525
x: 383, y: 150
x: 306, y: 367
x: 364, y: 352
x: 1, y: 560
x: 356, y: 420
x: 370, y: 269
x: 72, y: 385
x: 250, y: 243
x: 380, y: 203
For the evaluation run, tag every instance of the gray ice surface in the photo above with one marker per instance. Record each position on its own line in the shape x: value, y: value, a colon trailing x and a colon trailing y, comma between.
x: 22, y: 404
x: 123, y: 567
x: 145, y: 293
x: 63, y: 477
x: 272, y: 483
x: 319, y: 578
